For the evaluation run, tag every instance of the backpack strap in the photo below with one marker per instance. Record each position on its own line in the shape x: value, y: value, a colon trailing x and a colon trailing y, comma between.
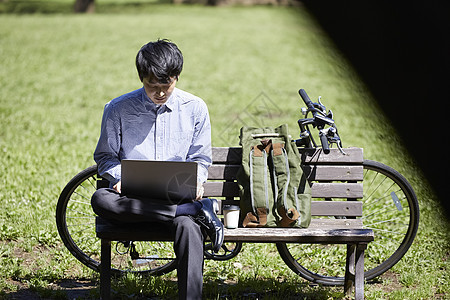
x: 259, y: 220
x: 258, y: 160
x: 288, y: 216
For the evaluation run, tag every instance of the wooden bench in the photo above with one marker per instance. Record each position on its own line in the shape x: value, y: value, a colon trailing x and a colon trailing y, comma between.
x: 323, y: 170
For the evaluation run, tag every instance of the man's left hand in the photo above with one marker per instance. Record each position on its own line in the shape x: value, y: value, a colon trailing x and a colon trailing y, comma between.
x: 200, y: 191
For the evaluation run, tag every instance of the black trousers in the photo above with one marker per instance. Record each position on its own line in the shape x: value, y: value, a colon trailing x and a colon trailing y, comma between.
x: 188, y: 243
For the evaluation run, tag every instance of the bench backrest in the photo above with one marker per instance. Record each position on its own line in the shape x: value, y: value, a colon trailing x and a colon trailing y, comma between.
x: 331, y: 176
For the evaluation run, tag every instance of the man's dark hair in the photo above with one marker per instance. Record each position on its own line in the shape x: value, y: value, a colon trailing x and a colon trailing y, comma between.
x: 161, y: 59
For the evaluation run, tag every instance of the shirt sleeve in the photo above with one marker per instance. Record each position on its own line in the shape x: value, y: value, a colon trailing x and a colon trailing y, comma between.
x: 106, y: 154
x: 200, y: 149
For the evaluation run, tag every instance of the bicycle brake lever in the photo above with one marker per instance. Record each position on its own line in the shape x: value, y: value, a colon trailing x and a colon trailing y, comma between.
x: 337, y: 139
x: 330, y: 114
x: 325, y: 120
x: 340, y: 148
x: 320, y: 106
x: 333, y: 138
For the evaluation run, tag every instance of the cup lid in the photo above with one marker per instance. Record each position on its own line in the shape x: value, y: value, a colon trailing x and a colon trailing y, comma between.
x: 230, y: 207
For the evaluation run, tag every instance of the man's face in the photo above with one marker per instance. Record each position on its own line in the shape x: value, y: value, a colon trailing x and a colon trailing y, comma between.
x: 158, y: 92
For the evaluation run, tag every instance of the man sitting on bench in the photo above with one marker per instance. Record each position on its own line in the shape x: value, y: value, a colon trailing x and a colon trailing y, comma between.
x: 160, y: 122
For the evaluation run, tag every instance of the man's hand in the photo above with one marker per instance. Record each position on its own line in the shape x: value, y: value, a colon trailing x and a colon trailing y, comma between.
x: 118, y: 187
x: 200, y: 191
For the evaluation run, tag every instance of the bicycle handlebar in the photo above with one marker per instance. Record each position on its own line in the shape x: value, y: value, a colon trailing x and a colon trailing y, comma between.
x: 324, y: 142
x: 317, y: 117
x: 306, y: 99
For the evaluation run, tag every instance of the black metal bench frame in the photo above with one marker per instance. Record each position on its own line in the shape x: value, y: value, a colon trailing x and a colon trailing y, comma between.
x: 331, y: 175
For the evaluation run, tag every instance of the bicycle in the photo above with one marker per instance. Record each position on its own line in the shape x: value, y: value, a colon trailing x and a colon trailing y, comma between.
x: 390, y: 209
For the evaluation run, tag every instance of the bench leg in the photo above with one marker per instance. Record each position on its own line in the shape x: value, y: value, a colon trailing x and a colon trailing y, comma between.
x: 359, y: 271
x: 349, y: 269
x: 354, y: 270
x: 105, y: 270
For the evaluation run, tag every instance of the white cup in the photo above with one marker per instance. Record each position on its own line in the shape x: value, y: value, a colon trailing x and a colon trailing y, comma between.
x: 231, y: 216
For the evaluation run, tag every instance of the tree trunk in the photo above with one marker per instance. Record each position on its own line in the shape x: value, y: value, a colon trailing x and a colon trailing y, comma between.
x: 84, y: 6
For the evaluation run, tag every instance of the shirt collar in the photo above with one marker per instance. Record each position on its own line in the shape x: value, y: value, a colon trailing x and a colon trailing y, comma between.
x: 170, y: 103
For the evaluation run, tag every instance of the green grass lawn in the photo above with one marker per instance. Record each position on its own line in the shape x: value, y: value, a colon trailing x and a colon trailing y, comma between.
x: 58, y: 70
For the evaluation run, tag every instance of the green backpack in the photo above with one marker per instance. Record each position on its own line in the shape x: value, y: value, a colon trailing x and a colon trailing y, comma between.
x: 273, y: 190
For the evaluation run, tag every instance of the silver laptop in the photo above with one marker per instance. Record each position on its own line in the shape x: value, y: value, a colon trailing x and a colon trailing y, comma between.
x: 174, y: 181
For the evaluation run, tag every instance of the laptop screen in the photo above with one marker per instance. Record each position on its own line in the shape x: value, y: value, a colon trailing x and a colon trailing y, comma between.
x: 174, y: 181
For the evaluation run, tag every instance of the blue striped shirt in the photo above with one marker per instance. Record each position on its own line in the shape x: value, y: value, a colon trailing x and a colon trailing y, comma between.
x: 133, y: 127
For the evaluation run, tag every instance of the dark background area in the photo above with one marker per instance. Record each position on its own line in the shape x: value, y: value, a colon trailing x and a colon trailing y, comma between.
x: 401, y: 51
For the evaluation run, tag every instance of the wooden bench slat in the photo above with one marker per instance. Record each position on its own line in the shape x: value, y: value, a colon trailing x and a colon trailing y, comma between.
x: 104, y: 226
x: 261, y: 235
x: 318, y: 190
x: 333, y: 173
x: 317, y: 156
x: 223, y: 172
x: 221, y: 189
x: 229, y: 155
x: 326, y: 208
x: 337, y: 208
x: 336, y: 190
x: 323, y: 208
x: 232, y: 155
x: 312, y: 172
x: 342, y: 234
x: 292, y: 235
x: 336, y: 223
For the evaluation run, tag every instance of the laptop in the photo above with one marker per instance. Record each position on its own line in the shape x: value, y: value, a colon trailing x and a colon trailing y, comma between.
x: 173, y: 181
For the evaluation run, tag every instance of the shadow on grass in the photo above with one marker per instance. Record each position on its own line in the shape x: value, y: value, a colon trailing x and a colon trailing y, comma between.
x: 269, y: 288
x: 135, y: 287
x: 31, y: 7
x: 67, y: 7
x: 65, y: 289
x: 259, y: 288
